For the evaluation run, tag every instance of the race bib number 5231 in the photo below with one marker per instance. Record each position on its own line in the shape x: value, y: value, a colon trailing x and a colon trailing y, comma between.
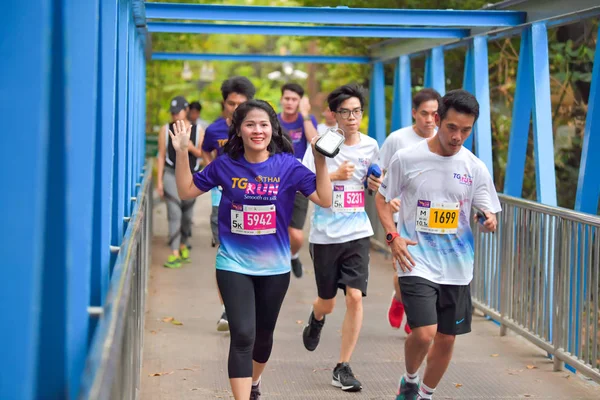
x: 253, y: 220
x: 439, y: 218
x: 348, y: 198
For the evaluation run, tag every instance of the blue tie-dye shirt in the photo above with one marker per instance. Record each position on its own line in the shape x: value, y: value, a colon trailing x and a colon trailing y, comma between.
x: 255, y: 210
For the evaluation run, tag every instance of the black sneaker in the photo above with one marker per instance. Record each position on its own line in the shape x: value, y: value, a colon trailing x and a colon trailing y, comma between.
x: 223, y: 323
x: 407, y: 391
x: 312, y: 332
x: 297, y: 267
x: 255, y: 392
x: 344, y: 379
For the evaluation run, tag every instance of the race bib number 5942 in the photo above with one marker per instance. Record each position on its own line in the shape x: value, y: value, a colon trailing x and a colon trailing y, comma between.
x: 253, y: 220
x: 439, y: 218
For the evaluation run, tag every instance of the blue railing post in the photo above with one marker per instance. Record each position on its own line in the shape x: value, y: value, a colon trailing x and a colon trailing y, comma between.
x: 402, y: 106
x: 26, y: 80
x: 588, y: 185
x: 437, y: 70
x: 377, y: 104
x: 521, y: 118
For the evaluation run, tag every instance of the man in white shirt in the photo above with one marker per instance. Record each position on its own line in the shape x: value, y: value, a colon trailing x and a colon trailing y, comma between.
x: 438, y: 182
x: 424, y: 108
x: 330, y: 121
x: 339, y: 235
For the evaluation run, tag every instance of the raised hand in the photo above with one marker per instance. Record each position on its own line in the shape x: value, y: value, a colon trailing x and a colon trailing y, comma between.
x: 181, y: 137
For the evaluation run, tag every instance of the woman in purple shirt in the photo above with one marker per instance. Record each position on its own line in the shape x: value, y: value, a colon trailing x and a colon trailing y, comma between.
x: 260, y: 177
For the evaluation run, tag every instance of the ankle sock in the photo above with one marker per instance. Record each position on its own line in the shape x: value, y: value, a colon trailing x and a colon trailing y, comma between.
x: 411, y: 378
x: 425, y: 392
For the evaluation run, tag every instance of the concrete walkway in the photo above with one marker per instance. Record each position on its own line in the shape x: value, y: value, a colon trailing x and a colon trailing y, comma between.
x: 190, y: 360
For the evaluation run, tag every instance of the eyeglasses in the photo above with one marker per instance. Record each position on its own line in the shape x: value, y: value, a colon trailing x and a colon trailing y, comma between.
x: 345, y: 113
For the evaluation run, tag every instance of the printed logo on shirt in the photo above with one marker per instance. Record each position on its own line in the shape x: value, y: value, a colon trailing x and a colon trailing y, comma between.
x: 464, y: 179
x: 267, y: 187
x: 295, y: 134
x: 364, y: 161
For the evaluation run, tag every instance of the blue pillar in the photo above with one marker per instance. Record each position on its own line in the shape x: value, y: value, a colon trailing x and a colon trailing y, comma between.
x: 402, y: 106
x: 521, y: 118
x: 377, y: 104
x: 468, y: 85
x: 427, y: 75
x: 588, y: 185
x: 81, y: 28
x: 542, y: 116
x: 437, y: 79
x: 26, y: 77
x: 118, y: 204
x: 481, y: 85
x: 105, y: 136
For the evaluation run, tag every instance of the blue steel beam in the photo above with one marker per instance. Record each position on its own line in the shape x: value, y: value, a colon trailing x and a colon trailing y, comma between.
x: 25, y: 81
x: 262, y: 58
x: 542, y: 116
x: 468, y: 85
x: 323, y: 31
x: 81, y: 45
x: 402, y: 105
x: 588, y: 184
x: 481, y: 86
x: 337, y: 15
x: 521, y: 119
x: 437, y: 72
x: 377, y: 104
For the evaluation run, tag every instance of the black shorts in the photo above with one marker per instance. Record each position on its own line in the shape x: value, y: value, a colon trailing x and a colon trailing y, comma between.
x: 427, y: 303
x: 339, y: 265
x: 300, y: 210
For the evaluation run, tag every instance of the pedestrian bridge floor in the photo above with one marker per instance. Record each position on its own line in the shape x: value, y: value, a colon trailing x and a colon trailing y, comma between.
x: 189, y: 361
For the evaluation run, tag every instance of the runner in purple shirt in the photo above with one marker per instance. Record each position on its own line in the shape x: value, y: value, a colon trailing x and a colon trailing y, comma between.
x: 260, y: 176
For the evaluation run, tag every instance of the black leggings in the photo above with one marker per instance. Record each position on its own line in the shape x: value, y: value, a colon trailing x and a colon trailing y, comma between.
x: 252, y: 304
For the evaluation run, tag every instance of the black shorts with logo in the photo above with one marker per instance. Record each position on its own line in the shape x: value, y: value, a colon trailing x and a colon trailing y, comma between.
x: 341, y: 265
x: 428, y: 303
x: 300, y: 210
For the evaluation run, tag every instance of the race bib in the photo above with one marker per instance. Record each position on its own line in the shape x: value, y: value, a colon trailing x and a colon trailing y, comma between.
x: 439, y: 218
x: 253, y: 220
x: 348, y: 198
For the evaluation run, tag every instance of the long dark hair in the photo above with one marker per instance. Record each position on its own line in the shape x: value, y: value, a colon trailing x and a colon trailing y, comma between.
x: 280, y: 141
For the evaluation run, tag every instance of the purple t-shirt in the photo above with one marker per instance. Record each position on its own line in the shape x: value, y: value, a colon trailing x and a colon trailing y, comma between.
x: 296, y: 131
x: 255, y: 210
x: 216, y: 136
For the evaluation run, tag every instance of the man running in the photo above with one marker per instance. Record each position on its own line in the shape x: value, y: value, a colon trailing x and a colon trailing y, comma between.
x: 301, y: 126
x: 438, y: 182
x: 234, y: 91
x: 425, y: 106
x: 339, y: 235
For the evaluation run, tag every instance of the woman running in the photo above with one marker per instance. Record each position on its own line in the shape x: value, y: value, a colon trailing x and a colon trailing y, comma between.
x: 260, y: 177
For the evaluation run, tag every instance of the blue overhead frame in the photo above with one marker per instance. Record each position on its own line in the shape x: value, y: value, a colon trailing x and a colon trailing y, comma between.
x: 24, y: 207
x: 299, y: 30
x: 402, y: 102
x: 377, y: 104
x: 334, y: 15
x: 435, y: 72
x: 521, y: 119
x: 588, y: 185
x: 322, y: 59
x: 542, y: 116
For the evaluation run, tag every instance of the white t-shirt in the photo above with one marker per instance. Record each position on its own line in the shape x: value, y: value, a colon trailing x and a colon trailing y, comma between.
x: 401, y: 139
x: 345, y: 220
x: 437, y: 194
x: 397, y: 140
x: 322, y: 128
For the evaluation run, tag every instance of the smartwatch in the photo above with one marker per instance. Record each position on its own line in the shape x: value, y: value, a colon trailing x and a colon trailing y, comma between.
x: 391, y: 236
